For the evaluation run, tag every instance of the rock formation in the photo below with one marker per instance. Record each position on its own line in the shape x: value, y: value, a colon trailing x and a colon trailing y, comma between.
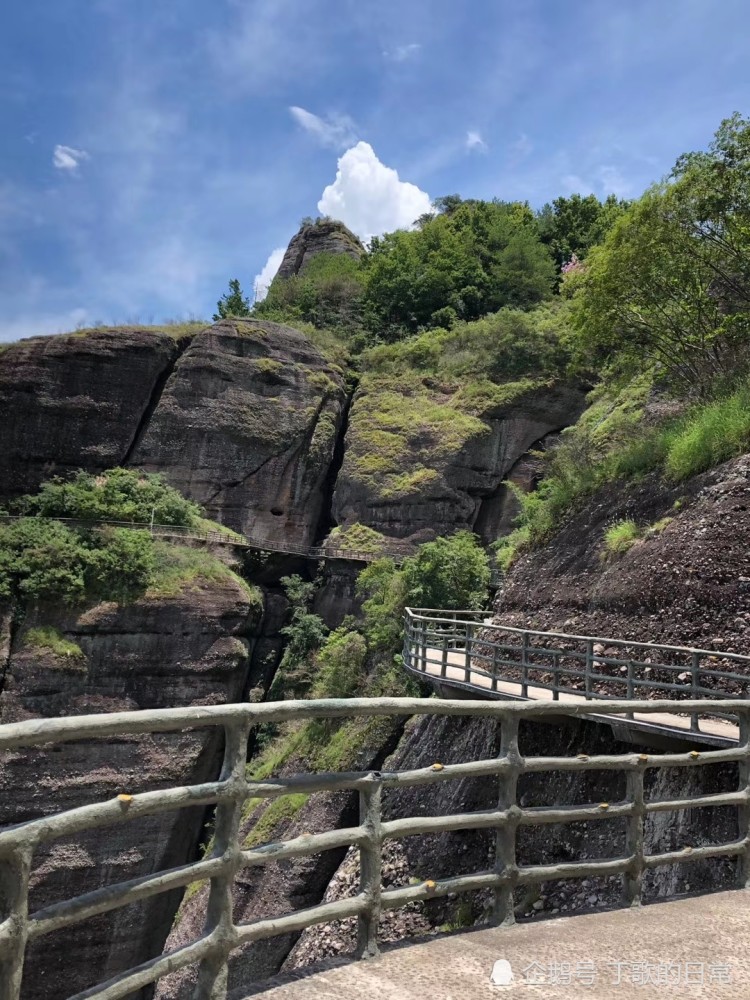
x: 247, y: 426
x: 323, y: 236
x: 419, y: 463
x: 190, y: 648
x: 77, y: 401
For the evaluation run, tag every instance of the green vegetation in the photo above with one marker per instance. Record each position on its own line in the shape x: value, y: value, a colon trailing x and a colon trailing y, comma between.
x: 359, y: 658
x: 114, y: 495
x: 621, y: 536
x: 328, y: 295
x: 232, y: 303
x: 178, y: 329
x: 661, y: 309
x: 42, y: 559
x: 357, y: 538
x: 46, y: 637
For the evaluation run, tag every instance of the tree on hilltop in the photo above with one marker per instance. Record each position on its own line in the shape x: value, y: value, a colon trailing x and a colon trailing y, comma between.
x: 234, y: 303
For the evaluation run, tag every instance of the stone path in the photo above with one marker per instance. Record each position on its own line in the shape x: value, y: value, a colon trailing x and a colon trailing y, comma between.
x: 696, y: 947
x: 456, y: 671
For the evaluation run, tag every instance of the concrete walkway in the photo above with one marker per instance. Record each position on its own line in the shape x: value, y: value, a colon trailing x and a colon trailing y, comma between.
x: 456, y: 671
x: 697, y: 947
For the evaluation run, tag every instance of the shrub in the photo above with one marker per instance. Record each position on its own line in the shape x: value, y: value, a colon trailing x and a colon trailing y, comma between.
x: 46, y: 637
x: 621, y: 536
x: 114, y: 495
x: 709, y: 435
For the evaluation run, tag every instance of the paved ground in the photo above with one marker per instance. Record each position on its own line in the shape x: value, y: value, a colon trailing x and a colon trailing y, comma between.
x: 456, y: 670
x: 698, y: 947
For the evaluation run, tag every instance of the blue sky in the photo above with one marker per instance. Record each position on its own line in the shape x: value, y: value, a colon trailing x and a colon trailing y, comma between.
x: 153, y: 149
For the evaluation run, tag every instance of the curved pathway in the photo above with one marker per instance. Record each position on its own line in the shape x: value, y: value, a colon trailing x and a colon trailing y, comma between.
x: 694, y: 947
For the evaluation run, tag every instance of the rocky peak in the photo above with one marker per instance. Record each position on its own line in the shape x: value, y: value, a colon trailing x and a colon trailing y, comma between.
x: 322, y: 236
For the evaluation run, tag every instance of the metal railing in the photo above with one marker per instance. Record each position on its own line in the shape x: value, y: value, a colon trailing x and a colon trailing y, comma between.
x: 229, y: 793
x: 395, y: 550
x: 468, y: 650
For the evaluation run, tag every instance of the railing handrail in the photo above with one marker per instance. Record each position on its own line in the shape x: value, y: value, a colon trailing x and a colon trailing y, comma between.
x: 232, y: 789
x: 395, y: 550
x: 431, y: 615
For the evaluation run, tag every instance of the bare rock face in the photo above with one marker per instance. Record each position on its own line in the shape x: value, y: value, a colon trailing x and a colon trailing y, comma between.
x: 247, y: 426
x: 323, y: 236
x: 77, y: 401
x: 191, y: 648
x: 419, y: 461
x: 683, y: 582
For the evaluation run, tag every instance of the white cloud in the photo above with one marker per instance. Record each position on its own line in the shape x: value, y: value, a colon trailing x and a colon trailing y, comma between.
x: 67, y: 158
x: 262, y: 281
x: 475, y: 142
x: 43, y: 324
x: 613, y: 182
x: 521, y: 148
x: 336, y: 131
x: 369, y: 197
x: 402, y: 52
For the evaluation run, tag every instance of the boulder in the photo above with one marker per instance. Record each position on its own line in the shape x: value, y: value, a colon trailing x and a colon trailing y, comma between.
x: 192, y: 648
x: 421, y: 457
x: 77, y: 401
x: 247, y: 426
x: 323, y: 236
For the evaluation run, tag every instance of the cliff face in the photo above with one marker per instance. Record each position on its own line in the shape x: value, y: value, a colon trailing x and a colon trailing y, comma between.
x: 247, y: 426
x: 77, y: 401
x: 190, y: 648
x: 325, y: 236
x: 419, y: 462
x: 685, y: 582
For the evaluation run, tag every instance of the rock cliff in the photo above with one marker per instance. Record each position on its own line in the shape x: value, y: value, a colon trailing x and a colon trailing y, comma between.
x: 324, y: 236
x: 190, y: 647
x: 247, y: 426
x: 422, y: 456
x: 77, y: 401
x: 684, y: 582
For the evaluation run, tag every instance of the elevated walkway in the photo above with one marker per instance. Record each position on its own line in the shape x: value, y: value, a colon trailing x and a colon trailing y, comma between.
x: 687, y: 948
x: 465, y: 652
x: 394, y: 550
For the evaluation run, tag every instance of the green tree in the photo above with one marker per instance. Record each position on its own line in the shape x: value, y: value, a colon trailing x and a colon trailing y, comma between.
x: 450, y: 573
x: 575, y: 224
x: 114, y: 495
x: 233, y: 303
x: 472, y: 258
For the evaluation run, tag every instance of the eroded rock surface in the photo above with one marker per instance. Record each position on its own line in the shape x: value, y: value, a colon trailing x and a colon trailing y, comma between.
x: 189, y: 649
x: 247, y: 427
x: 324, y: 236
x: 77, y: 401
x: 418, y: 461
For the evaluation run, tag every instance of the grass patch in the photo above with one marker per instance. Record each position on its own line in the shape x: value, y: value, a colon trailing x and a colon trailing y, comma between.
x: 180, y: 569
x: 280, y: 810
x: 46, y: 637
x: 621, y: 536
x: 357, y: 537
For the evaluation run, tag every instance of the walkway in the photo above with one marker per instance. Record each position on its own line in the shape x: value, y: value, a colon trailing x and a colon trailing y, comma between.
x: 455, y: 676
x: 693, y: 947
x: 465, y: 651
x: 226, y: 536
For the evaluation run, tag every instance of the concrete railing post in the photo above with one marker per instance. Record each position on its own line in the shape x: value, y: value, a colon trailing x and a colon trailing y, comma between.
x: 469, y: 632
x: 589, y: 669
x: 744, y: 810
x: 525, y: 666
x: 213, y: 970
x: 695, y: 671
x: 505, y: 838
x: 14, y: 899
x: 370, y: 866
x: 632, y: 879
